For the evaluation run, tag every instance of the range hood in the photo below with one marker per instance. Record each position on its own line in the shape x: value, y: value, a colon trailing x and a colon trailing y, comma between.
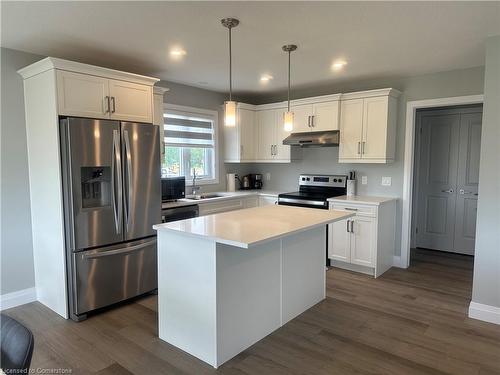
x: 313, y: 139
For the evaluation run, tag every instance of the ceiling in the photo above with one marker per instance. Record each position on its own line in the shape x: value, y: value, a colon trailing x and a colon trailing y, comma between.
x: 377, y: 39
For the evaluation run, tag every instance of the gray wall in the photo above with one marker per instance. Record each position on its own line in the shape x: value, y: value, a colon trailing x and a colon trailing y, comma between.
x: 486, y: 286
x: 16, y: 244
x: 324, y: 160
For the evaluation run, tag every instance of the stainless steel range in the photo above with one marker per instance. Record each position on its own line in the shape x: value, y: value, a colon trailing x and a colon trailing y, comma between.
x: 314, y: 191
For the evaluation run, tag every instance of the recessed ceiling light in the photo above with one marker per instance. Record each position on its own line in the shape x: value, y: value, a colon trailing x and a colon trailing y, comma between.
x: 339, y: 64
x: 177, y: 53
x: 265, y: 78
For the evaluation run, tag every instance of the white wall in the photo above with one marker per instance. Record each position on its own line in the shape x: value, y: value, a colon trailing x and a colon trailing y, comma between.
x: 324, y: 160
x: 486, y: 288
x: 17, y: 271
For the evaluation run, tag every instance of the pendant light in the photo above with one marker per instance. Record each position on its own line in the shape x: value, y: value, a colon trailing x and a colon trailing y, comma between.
x: 230, y: 105
x: 288, y: 116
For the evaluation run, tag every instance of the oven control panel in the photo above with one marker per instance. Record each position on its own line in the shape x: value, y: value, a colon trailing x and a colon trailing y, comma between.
x: 323, y: 180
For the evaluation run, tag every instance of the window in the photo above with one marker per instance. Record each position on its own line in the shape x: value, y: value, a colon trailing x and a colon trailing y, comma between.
x: 190, y: 142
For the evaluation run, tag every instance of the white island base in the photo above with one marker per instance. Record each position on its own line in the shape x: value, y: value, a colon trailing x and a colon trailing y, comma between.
x: 218, y: 295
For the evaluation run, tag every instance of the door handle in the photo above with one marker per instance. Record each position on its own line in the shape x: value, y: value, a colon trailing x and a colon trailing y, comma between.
x: 449, y: 191
x: 308, y: 121
x: 106, y: 104
x: 120, y: 251
x: 352, y: 226
x: 116, y: 166
x: 128, y: 156
x: 272, y: 150
x: 113, y: 104
x: 312, y: 121
x: 359, y: 147
x: 463, y: 192
x: 350, y: 209
x: 347, y: 222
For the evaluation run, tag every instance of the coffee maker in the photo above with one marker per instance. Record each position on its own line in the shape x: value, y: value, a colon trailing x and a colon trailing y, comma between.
x: 256, y: 181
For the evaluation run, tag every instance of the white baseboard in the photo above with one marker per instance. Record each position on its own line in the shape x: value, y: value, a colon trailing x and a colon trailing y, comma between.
x: 17, y: 298
x: 396, y: 261
x: 486, y: 313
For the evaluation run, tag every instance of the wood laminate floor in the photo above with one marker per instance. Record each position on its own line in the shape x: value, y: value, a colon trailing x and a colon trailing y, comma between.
x: 410, y: 321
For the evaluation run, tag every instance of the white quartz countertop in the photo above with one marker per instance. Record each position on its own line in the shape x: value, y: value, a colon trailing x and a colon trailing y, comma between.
x: 252, y: 226
x: 221, y: 195
x: 363, y: 199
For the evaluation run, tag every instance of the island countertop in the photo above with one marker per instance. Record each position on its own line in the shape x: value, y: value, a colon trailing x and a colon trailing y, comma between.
x: 253, y: 226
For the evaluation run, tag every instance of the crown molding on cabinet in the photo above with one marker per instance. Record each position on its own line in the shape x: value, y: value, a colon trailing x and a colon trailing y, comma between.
x: 158, y: 90
x: 71, y: 66
x: 371, y: 93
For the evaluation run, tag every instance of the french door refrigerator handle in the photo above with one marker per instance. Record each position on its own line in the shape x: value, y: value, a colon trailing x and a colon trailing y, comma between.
x: 128, y: 156
x: 116, y: 167
x: 120, y: 251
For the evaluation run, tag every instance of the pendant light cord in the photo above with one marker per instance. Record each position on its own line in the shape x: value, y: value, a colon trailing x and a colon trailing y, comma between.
x: 230, y: 68
x: 289, y: 81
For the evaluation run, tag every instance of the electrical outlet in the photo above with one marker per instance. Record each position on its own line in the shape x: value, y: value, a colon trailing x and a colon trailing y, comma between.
x: 268, y: 176
x: 386, y: 181
x: 364, y: 180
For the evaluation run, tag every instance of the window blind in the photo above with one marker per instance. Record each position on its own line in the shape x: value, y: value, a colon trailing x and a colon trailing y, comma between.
x: 183, y: 131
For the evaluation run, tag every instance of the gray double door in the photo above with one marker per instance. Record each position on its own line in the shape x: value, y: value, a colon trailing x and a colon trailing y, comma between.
x: 447, y: 178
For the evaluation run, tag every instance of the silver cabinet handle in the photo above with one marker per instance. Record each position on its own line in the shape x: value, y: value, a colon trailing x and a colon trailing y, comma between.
x: 359, y: 147
x: 113, y: 104
x: 350, y: 209
x: 352, y: 226
x: 347, y: 222
x: 128, y: 156
x: 117, y: 166
x: 120, y: 251
x: 312, y: 121
x: 308, y: 121
x: 272, y: 150
x: 106, y: 104
x: 449, y: 191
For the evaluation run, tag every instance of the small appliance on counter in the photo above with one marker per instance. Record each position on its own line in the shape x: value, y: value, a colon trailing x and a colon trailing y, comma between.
x: 231, y: 181
x: 351, y: 184
x: 173, y: 188
x: 246, y: 182
x: 256, y: 180
x: 250, y: 181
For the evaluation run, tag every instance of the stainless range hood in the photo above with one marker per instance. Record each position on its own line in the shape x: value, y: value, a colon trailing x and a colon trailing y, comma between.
x: 313, y: 139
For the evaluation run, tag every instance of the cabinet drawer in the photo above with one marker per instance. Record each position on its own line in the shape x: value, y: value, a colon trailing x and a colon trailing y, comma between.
x: 359, y: 209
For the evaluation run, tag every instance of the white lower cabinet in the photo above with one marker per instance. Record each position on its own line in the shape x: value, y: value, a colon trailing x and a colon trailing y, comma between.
x: 364, y: 242
x: 267, y: 200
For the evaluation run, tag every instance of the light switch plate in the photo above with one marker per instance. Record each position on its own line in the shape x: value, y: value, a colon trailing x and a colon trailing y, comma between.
x: 386, y: 181
x: 364, y: 180
x: 268, y: 176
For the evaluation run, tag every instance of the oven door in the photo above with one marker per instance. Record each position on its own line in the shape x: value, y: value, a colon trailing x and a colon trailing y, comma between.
x: 298, y: 202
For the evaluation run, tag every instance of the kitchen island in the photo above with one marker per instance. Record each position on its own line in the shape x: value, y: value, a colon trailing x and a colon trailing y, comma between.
x: 227, y: 280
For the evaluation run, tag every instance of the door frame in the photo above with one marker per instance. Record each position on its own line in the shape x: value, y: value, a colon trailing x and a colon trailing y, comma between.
x: 409, y: 158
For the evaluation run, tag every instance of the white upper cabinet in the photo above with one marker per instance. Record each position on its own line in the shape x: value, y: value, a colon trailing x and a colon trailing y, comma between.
x: 266, y: 124
x: 282, y: 152
x: 82, y: 95
x: 368, y: 126
x: 240, y: 143
x: 316, y: 116
x: 130, y: 101
x: 95, y: 92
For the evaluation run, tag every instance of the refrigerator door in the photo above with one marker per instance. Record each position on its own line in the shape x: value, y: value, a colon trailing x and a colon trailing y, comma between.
x: 141, y: 179
x: 93, y: 178
x: 112, y: 274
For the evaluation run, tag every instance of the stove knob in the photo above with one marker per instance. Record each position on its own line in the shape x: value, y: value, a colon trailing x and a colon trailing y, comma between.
x: 340, y: 180
x: 308, y: 179
x: 303, y: 179
x: 335, y: 180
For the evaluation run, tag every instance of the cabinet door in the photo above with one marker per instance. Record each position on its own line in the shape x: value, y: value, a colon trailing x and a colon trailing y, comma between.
x: 374, y: 139
x: 266, y: 122
x: 158, y: 109
x: 363, y: 241
x: 131, y: 101
x: 246, y: 126
x: 326, y: 116
x: 82, y: 95
x: 339, y: 241
x: 301, y: 115
x: 251, y: 202
x: 351, y: 127
x: 281, y: 151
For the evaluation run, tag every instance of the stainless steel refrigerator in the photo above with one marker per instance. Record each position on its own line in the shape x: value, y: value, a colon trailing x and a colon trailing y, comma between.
x: 112, y: 198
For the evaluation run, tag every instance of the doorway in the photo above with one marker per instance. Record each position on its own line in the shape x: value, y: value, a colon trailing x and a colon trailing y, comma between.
x: 446, y: 177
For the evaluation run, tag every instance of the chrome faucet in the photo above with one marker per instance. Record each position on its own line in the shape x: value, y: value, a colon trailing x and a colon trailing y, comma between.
x: 194, y: 187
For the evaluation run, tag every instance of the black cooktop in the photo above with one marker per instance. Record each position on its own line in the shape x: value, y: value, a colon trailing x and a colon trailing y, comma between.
x: 316, y: 196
